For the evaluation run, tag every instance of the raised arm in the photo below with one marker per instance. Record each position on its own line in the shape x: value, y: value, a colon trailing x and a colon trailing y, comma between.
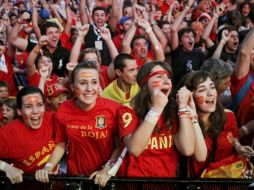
x: 225, y: 37
x: 35, y: 16
x: 242, y: 66
x: 158, y: 51
x: 177, y: 22
x: 30, y: 66
x: 115, y: 14
x: 106, y: 36
x: 67, y: 27
x: 13, y: 36
x: 82, y: 32
x: 83, y: 11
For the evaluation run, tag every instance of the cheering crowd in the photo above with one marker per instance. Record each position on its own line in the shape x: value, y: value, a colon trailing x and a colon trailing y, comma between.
x: 129, y: 88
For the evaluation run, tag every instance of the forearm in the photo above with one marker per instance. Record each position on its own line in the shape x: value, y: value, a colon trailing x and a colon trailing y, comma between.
x: 76, y: 49
x: 209, y: 27
x: 83, y: 9
x: 217, y: 52
x: 162, y: 38
x: 56, y: 155
x: 127, y: 38
x: 112, y: 48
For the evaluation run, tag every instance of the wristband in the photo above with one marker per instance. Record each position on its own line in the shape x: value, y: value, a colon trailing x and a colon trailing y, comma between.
x: 2, y: 165
x: 149, y: 29
x: 245, y: 129
x: 110, y: 163
x: 152, y: 117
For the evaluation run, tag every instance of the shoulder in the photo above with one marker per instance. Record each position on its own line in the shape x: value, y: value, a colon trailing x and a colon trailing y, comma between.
x: 108, y: 102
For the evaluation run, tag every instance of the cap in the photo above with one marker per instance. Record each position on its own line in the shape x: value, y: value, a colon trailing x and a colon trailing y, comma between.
x: 123, y: 19
x: 205, y: 15
x: 55, y: 89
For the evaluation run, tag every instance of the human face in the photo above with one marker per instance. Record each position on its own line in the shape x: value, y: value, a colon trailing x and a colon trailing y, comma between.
x: 8, y: 113
x: 86, y: 88
x: 32, y: 110
x: 53, y: 36
x: 205, y: 96
x: 187, y: 41
x: 127, y: 11
x: 226, y: 82
x: 45, y: 62
x: 140, y: 48
x: 99, y: 18
x: 166, y: 28
x: 161, y: 81
x: 246, y: 10
x: 56, y: 101
x: 232, y: 44
x: 127, y: 25
x: 4, y: 93
x: 128, y: 76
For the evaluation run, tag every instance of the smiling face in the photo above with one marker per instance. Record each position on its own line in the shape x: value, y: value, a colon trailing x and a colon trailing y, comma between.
x: 99, y: 18
x: 32, y: 110
x: 205, y: 96
x: 160, y: 80
x: 86, y: 87
x: 53, y: 36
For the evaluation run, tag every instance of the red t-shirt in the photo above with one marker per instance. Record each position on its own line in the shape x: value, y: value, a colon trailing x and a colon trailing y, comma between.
x: 104, y: 78
x: 224, y: 146
x: 245, y: 111
x: 139, y: 61
x: 34, y: 80
x: 28, y: 149
x: 90, y: 134
x: 118, y: 41
x: 160, y: 158
x: 9, y: 76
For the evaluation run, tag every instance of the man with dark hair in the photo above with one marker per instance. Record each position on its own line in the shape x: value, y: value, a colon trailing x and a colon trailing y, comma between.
x: 124, y: 88
x: 60, y: 55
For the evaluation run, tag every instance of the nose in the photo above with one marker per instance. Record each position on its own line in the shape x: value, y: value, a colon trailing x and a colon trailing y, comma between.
x: 35, y: 109
x: 88, y: 87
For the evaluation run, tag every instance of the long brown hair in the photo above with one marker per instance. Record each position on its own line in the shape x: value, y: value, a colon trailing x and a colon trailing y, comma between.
x: 142, y: 101
x: 218, y: 117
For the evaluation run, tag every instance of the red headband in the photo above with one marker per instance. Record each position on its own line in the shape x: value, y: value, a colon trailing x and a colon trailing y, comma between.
x: 155, y: 73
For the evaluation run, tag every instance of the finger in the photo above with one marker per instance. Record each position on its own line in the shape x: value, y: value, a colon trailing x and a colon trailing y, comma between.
x: 92, y: 175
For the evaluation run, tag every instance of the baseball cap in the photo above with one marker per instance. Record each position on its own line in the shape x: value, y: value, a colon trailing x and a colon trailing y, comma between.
x: 123, y: 19
x: 55, y: 89
x: 44, y: 14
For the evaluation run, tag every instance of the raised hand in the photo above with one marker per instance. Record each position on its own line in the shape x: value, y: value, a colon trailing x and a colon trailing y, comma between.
x: 105, y: 34
x: 43, y: 40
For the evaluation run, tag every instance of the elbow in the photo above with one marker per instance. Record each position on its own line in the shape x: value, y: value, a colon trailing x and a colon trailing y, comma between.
x: 187, y: 152
x: 244, y: 51
x: 201, y: 156
x: 134, y: 151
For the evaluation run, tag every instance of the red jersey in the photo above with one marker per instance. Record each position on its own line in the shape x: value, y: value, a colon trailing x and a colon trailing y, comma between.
x: 139, y: 61
x: 9, y: 76
x: 160, y: 158
x: 34, y: 80
x: 245, y: 111
x: 224, y: 146
x: 28, y: 149
x: 90, y: 134
x: 104, y: 78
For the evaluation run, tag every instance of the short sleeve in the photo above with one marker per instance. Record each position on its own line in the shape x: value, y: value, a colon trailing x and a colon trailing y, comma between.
x: 128, y: 121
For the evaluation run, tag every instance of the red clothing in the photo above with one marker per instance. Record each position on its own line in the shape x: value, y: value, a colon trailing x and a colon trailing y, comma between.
x: 9, y: 76
x: 224, y: 146
x: 34, y: 80
x: 160, y: 158
x: 104, y: 78
x: 245, y: 111
x: 90, y: 134
x: 118, y: 41
x: 28, y: 149
x: 139, y: 61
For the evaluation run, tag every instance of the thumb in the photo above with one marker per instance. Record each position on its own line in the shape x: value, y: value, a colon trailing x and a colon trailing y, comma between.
x: 92, y: 175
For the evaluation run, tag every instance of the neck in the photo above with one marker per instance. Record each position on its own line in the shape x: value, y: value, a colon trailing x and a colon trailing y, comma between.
x: 51, y: 49
x: 123, y: 86
x: 83, y: 106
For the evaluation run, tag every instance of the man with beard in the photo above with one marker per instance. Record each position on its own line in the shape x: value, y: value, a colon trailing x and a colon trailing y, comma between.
x: 60, y: 55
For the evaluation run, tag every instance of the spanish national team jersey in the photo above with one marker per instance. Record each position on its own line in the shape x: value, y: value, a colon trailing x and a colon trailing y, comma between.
x: 90, y: 134
x: 28, y: 149
x: 160, y: 158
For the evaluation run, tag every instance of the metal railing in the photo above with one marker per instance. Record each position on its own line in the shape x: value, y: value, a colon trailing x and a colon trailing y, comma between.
x: 117, y: 183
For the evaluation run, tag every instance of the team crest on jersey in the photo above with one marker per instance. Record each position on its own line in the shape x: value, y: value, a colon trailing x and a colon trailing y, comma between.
x: 100, y: 122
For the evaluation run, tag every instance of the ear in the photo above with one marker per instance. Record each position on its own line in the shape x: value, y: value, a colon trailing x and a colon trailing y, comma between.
x: 118, y: 72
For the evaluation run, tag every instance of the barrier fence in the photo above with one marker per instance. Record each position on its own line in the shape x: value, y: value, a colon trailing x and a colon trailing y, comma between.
x: 116, y: 183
